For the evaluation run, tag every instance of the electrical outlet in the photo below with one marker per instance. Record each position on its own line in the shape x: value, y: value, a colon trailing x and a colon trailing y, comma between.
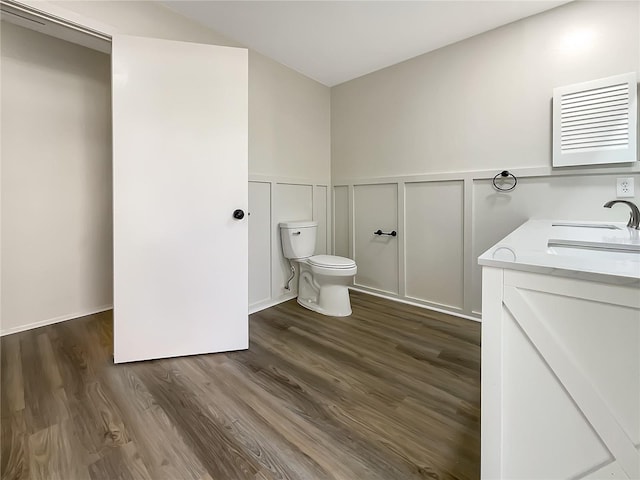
x: 624, y: 187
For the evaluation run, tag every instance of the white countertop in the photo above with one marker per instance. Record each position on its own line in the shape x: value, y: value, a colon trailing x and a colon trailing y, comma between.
x: 526, y: 248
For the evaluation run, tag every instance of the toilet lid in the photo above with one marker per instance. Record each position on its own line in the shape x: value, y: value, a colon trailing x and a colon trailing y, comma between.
x: 331, y: 261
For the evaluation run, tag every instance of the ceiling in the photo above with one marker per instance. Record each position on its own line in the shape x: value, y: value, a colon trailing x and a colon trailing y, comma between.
x: 336, y: 41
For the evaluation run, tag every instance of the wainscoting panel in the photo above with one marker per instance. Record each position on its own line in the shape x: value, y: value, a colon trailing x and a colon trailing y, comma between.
x: 446, y: 220
x: 259, y: 242
x: 434, y: 246
x: 292, y: 203
x: 376, y: 207
x: 273, y: 200
x: 341, y: 221
x: 320, y: 215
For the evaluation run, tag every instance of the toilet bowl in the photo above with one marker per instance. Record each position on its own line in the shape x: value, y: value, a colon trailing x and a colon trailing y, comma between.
x: 323, y: 280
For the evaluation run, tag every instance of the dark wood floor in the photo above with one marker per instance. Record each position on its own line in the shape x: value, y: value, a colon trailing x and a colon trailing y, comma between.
x: 391, y: 392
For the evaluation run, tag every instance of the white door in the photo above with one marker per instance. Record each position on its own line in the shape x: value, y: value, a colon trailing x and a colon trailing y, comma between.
x: 180, y: 147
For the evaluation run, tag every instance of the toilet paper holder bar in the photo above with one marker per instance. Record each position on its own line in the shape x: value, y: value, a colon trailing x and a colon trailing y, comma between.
x: 393, y: 233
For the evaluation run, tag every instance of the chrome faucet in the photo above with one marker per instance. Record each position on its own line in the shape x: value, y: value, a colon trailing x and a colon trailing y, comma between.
x: 634, y: 219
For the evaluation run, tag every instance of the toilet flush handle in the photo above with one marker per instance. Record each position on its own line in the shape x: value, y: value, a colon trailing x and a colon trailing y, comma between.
x: 296, y: 233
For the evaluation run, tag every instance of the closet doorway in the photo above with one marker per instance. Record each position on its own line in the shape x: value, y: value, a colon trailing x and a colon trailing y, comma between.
x: 179, y: 144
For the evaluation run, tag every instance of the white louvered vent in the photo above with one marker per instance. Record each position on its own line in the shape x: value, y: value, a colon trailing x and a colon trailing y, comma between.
x: 595, y: 122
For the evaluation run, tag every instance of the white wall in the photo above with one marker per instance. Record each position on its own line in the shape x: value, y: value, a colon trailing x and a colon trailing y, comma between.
x: 439, y: 126
x: 289, y: 132
x: 482, y: 103
x: 289, y: 119
x: 289, y: 122
x: 56, y: 180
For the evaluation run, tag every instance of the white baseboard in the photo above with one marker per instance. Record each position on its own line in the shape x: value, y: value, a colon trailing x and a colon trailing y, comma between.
x: 51, y: 321
x: 256, y: 307
x: 416, y: 304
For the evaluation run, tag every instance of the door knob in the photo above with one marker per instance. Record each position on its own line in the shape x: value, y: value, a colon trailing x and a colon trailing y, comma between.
x: 238, y: 214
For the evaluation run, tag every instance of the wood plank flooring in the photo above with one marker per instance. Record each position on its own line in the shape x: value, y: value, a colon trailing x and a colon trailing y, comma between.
x: 391, y: 392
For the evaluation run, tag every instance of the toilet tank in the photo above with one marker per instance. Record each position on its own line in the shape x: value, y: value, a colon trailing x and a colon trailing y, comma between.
x: 298, y: 239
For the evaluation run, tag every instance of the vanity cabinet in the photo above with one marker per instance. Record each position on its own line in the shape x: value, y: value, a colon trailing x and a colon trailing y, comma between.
x: 560, y: 363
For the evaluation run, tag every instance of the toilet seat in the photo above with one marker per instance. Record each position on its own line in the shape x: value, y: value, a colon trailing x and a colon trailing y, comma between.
x: 332, y: 265
x: 331, y: 261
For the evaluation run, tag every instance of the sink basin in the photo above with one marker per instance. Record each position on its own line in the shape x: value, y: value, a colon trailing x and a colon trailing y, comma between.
x: 606, y: 226
x: 602, y: 246
x: 589, y: 257
x: 609, y: 237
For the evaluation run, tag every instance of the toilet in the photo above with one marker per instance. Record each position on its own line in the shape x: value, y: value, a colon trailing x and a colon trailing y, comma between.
x: 324, y: 279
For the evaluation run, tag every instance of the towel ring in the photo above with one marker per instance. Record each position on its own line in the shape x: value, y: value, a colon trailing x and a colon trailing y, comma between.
x: 504, y: 174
